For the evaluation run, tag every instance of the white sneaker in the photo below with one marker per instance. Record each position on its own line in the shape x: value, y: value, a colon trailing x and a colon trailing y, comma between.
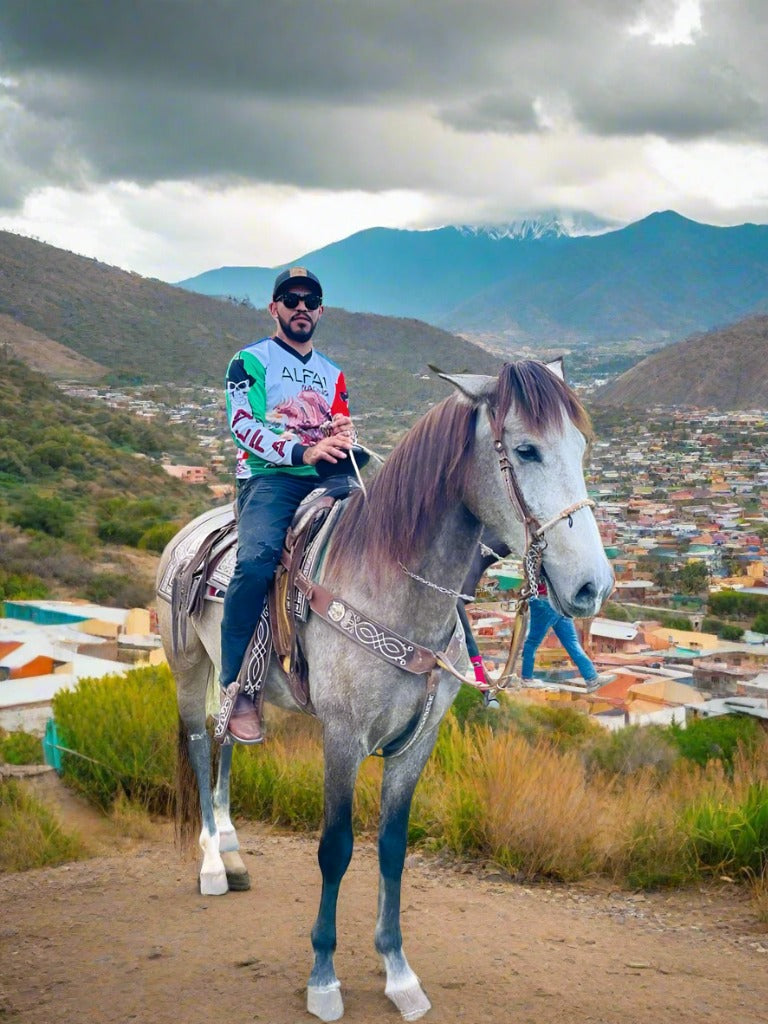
x: 600, y: 680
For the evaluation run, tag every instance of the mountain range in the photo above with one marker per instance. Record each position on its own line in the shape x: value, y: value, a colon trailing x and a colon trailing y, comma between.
x: 539, y: 284
x: 724, y: 369
x: 75, y: 318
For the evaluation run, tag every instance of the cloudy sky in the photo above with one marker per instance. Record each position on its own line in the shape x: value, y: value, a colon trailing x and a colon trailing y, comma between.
x: 172, y: 136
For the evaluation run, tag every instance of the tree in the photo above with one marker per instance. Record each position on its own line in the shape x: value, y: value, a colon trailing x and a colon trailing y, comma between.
x: 693, y: 578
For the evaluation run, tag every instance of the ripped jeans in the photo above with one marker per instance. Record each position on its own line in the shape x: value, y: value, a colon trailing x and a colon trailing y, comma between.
x: 265, y: 508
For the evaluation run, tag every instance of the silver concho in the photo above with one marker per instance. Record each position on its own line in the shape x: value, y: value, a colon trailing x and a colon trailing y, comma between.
x: 336, y: 611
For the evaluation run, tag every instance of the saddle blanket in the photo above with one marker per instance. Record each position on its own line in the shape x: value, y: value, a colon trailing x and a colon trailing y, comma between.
x: 217, y: 524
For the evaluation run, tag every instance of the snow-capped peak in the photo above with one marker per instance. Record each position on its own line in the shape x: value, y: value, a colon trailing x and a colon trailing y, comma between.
x: 544, y: 224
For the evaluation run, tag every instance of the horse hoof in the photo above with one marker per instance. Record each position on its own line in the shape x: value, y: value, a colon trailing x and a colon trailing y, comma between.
x: 213, y: 883
x: 410, y: 1000
x: 325, y: 1001
x: 238, y: 882
x: 237, y: 873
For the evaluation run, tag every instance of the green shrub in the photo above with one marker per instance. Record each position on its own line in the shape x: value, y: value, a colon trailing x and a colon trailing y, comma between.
x: 732, y: 604
x: 48, y: 515
x: 732, y: 836
x: 21, y: 586
x: 627, y: 750
x: 20, y: 748
x: 468, y: 702
x: 157, y: 536
x: 117, y: 590
x: 564, y: 726
x: 611, y: 610
x: 722, y: 629
x: 125, y: 728
x: 672, y: 621
x: 715, y: 739
x: 732, y: 633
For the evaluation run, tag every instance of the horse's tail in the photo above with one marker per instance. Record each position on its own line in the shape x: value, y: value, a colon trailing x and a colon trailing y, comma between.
x: 188, y: 817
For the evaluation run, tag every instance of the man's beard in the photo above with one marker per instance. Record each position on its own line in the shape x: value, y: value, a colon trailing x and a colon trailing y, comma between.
x: 294, y: 334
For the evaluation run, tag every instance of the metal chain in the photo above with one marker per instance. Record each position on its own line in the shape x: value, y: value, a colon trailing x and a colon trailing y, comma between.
x: 532, y: 567
x: 436, y: 586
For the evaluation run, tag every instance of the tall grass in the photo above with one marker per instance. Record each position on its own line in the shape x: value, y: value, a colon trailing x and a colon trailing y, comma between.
x: 541, y: 791
x: 120, y: 729
x: 30, y: 835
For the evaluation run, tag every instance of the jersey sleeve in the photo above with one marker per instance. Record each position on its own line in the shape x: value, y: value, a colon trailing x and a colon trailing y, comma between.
x: 340, y: 403
x: 246, y: 394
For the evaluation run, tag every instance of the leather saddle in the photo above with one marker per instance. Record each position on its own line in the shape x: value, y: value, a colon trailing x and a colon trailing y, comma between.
x: 201, y: 568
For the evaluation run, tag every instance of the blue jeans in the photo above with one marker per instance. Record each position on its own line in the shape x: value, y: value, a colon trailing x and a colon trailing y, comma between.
x: 265, y: 508
x: 543, y: 618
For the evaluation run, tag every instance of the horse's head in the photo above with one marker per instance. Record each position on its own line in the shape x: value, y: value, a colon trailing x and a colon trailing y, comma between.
x: 531, y: 438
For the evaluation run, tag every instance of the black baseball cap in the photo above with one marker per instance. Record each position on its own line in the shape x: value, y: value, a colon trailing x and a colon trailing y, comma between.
x: 296, y: 275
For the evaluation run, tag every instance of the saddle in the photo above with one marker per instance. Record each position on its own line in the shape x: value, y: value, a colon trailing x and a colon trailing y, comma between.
x: 201, y: 568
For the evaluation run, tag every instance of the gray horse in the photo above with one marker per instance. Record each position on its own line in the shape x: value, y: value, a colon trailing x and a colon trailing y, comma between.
x: 504, y: 453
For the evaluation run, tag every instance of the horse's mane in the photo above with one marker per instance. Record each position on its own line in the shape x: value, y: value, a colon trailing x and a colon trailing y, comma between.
x: 428, y: 469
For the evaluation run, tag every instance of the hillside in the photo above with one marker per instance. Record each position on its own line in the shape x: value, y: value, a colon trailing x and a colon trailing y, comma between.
x: 142, y: 330
x: 723, y: 369
x: 44, y: 355
x: 75, y: 481
x: 650, y: 282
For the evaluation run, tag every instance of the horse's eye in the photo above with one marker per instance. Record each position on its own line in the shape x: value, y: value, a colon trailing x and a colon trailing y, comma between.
x: 527, y: 453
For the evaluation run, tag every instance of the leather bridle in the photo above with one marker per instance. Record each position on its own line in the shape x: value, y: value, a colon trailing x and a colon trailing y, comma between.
x: 535, y: 543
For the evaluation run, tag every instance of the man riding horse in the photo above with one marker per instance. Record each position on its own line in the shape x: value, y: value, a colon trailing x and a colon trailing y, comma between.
x: 287, y: 410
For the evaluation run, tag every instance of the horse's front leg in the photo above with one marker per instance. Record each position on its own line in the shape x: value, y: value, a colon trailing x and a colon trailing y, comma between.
x: 342, y: 762
x: 400, y: 777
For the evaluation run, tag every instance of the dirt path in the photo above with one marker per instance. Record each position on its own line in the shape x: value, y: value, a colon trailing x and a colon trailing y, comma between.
x: 126, y: 937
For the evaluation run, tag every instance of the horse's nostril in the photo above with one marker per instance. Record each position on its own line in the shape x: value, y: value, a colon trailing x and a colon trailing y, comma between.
x: 586, y: 594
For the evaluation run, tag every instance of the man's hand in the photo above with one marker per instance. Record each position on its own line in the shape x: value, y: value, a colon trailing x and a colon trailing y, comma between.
x: 328, y: 449
x: 342, y: 426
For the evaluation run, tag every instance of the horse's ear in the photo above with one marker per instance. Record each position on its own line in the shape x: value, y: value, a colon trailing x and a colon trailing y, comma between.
x: 557, y: 366
x: 474, y: 386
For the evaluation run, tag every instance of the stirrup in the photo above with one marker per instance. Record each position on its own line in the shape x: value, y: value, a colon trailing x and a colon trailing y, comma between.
x: 228, y: 697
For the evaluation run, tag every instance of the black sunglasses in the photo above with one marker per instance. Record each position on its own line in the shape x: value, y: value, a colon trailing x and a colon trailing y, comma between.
x: 291, y: 300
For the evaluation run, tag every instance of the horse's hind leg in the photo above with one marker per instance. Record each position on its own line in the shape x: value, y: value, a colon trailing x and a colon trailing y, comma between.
x: 334, y: 854
x: 400, y: 777
x: 229, y: 845
x: 191, y: 668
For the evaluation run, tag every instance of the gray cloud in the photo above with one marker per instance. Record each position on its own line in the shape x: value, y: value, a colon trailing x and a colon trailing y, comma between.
x: 349, y: 93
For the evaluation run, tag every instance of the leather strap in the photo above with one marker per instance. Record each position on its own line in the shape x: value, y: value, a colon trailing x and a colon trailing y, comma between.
x: 367, y: 632
x: 391, y: 647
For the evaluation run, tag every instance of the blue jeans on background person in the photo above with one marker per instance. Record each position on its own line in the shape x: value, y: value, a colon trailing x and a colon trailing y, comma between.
x: 543, y: 618
x: 265, y: 508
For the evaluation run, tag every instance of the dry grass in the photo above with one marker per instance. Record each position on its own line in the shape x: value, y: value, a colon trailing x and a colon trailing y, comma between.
x: 758, y: 885
x: 31, y: 836
x: 131, y: 819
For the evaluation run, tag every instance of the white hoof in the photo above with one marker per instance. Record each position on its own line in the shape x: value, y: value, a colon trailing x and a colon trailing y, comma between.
x: 409, y: 998
x: 213, y: 883
x: 325, y: 1001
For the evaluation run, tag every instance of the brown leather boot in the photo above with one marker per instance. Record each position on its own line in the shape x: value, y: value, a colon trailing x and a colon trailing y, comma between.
x: 245, y: 721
